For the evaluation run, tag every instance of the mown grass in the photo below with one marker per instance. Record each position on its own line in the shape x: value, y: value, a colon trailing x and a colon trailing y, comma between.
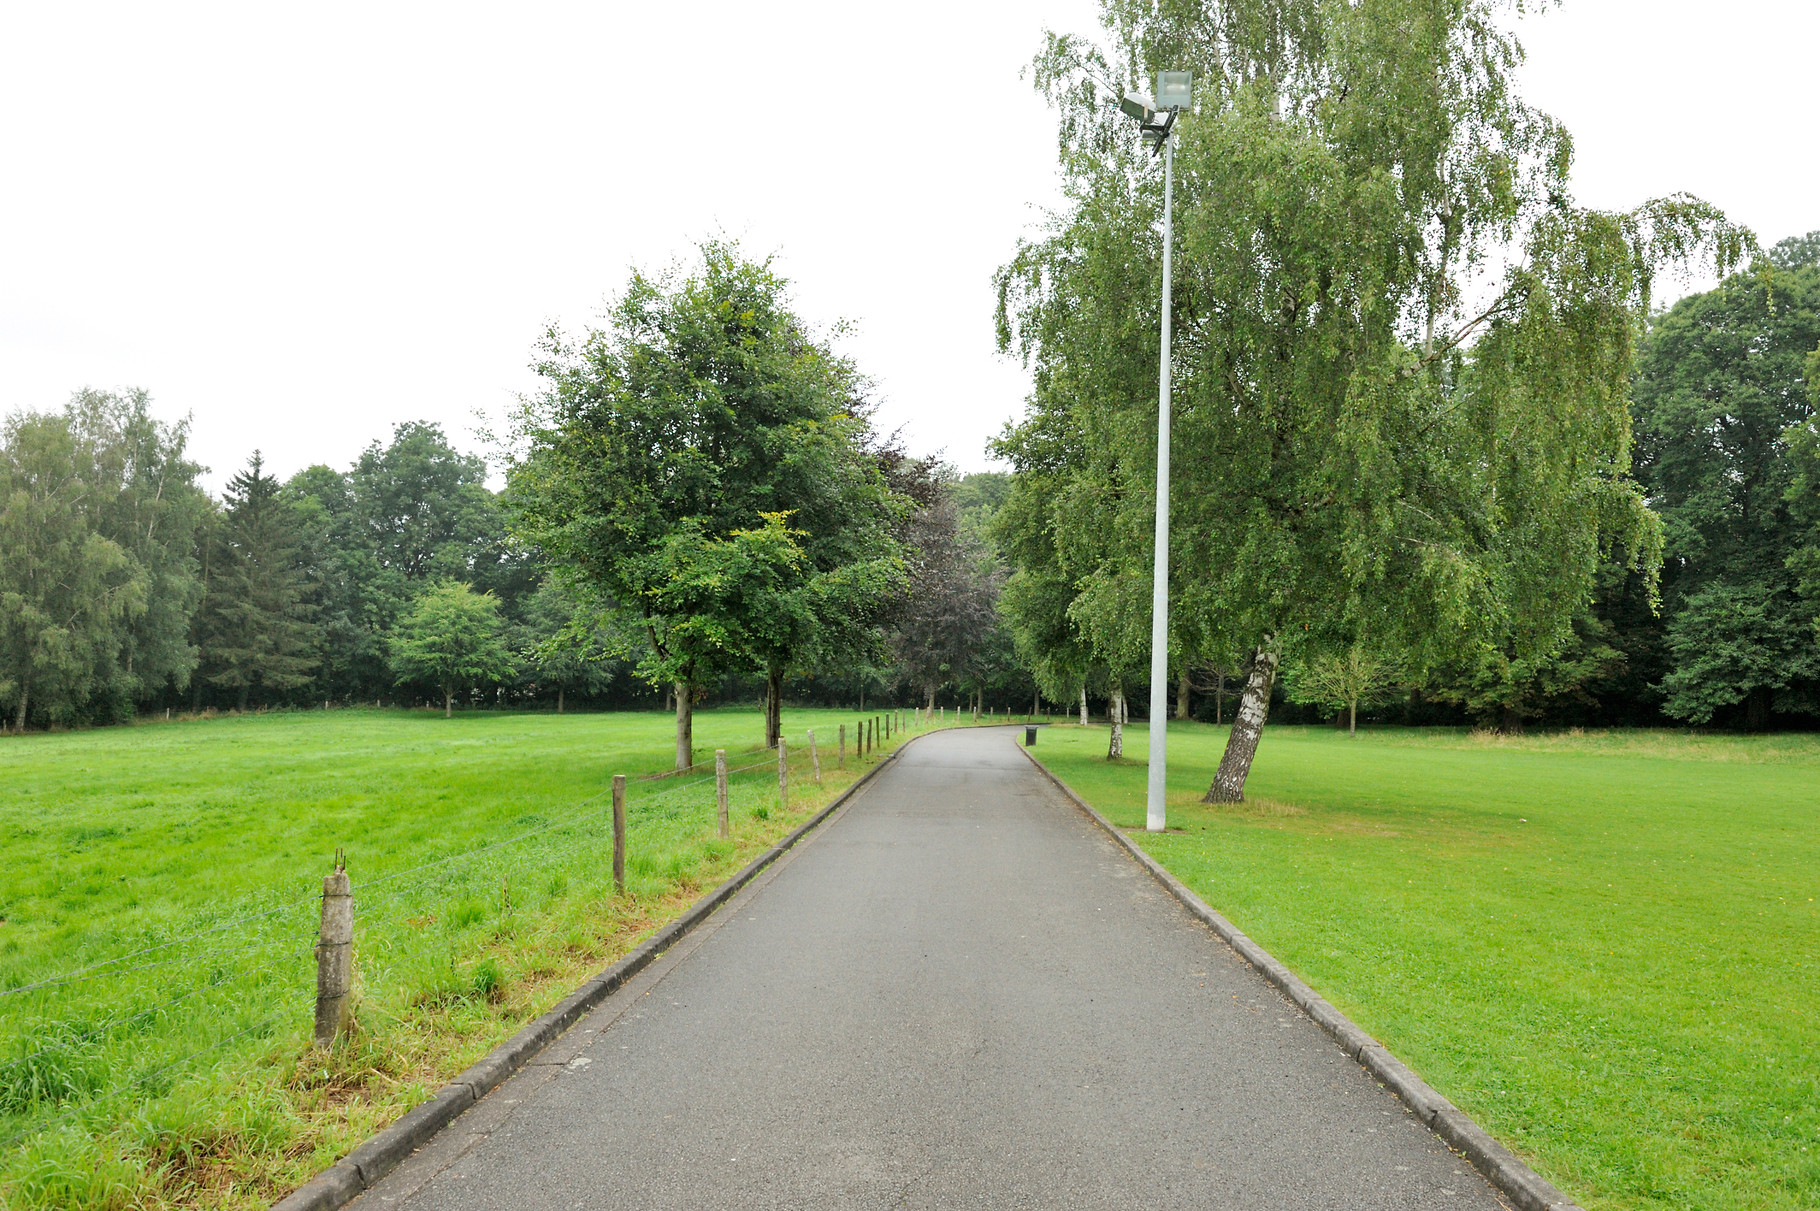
x: 185, y: 859
x: 1603, y: 946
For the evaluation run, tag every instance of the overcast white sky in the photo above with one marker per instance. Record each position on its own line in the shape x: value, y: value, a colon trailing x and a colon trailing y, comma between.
x: 305, y: 223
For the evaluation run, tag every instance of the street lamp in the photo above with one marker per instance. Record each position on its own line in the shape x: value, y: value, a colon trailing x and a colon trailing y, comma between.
x: 1174, y: 93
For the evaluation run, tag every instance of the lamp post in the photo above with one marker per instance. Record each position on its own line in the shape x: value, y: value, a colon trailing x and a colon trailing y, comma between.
x: 1174, y: 93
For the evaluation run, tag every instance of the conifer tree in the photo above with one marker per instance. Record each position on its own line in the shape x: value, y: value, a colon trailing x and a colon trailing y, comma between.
x: 258, y: 631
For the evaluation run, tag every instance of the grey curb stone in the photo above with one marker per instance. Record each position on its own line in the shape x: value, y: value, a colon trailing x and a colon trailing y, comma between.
x: 1529, y: 1190
x: 347, y: 1178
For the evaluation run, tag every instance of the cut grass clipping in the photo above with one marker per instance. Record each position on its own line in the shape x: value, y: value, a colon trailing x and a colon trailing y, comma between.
x: 1604, y: 947
x: 161, y: 899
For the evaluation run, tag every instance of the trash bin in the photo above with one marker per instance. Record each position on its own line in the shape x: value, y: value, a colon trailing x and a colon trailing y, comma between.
x: 1029, y: 735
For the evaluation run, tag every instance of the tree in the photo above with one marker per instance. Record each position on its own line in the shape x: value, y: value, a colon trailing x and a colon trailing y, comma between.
x: 1355, y: 440
x: 562, y: 647
x: 66, y: 591
x: 1341, y: 679
x: 453, y: 639
x: 1721, y: 391
x: 703, y: 407
x: 406, y: 514
x: 949, y: 605
x: 144, y: 497
x: 256, y: 628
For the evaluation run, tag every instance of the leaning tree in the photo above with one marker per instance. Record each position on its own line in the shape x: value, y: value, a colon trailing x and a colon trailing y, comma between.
x: 1403, y: 352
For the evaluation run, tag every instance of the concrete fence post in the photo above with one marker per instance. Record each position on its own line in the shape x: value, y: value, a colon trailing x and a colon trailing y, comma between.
x: 619, y: 832
x: 334, y: 955
x: 815, y: 760
x: 720, y: 789
x: 783, y: 775
x: 840, y: 759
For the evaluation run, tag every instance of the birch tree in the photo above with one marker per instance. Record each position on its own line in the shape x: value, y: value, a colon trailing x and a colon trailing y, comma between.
x: 1403, y: 352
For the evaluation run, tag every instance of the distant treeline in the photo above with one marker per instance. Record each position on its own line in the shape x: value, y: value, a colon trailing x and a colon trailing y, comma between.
x: 126, y: 588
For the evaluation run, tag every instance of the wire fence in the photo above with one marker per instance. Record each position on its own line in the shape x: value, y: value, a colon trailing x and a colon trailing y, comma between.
x: 103, y: 1032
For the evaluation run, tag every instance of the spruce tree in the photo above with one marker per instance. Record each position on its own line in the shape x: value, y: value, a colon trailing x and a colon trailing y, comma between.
x: 257, y: 628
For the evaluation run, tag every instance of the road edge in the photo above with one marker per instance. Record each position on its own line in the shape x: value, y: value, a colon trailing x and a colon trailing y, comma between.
x: 1496, y: 1163
x: 361, y: 1169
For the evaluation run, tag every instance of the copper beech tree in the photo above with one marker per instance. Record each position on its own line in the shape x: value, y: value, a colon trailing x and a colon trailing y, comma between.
x: 1403, y: 352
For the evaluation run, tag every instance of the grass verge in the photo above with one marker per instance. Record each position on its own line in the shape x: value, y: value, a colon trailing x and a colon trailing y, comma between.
x: 1605, y: 947
x: 160, y: 900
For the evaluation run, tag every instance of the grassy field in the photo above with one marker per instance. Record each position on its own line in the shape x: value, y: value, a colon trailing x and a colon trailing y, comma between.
x: 1605, y: 947
x: 159, y: 901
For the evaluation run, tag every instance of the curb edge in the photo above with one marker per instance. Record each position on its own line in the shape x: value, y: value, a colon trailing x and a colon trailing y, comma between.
x: 361, y: 1169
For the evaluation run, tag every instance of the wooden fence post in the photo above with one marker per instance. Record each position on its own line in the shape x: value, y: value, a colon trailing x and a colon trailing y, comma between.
x: 720, y: 788
x: 783, y: 775
x: 815, y: 760
x: 334, y: 955
x: 619, y: 832
x: 840, y: 760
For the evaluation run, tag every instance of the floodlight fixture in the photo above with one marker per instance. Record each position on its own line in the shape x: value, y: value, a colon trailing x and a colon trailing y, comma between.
x: 1138, y: 106
x: 1174, y: 90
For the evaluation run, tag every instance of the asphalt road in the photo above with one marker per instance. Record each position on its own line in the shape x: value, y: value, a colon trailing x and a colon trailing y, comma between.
x: 958, y: 993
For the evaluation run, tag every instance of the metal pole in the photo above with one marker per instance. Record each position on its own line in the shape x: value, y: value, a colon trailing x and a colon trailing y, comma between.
x: 1155, y: 810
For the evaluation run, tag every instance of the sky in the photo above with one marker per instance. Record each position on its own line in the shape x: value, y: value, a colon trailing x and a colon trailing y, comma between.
x: 304, y: 224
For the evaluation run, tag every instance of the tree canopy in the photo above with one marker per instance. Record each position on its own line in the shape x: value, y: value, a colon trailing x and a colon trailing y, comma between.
x: 704, y: 436
x: 1380, y: 418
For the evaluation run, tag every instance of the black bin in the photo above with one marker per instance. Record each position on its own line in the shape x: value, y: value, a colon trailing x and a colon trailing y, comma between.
x: 1029, y: 735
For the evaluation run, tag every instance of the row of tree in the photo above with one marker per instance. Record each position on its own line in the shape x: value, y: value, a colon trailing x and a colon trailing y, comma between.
x: 1403, y: 418
x: 697, y: 502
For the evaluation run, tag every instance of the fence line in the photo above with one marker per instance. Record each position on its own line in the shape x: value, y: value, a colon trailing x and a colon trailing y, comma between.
x: 585, y: 834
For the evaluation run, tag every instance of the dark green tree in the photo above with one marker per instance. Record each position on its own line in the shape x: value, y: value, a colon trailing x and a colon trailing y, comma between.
x: 703, y: 406
x: 1721, y: 389
x: 257, y: 631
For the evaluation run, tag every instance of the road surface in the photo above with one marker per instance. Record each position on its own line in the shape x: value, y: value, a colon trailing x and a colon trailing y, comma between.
x: 957, y: 993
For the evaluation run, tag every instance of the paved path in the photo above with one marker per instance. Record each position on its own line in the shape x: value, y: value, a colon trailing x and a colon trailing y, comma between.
x: 959, y: 993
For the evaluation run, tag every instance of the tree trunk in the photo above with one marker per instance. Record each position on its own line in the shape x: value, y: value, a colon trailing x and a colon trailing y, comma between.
x: 1756, y: 709
x: 1115, y: 715
x: 25, y: 697
x: 1242, y: 744
x: 559, y: 700
x: 1352, y: 717
x: 931, y: 708
x: 1511, y: 722
x: 1036, y: 704
x: 1182, y: 693
x: 685, y: 725
x: 1083, y: 706
x: 245, y: 689
x: 1219, y: 697
x: 448, y: 702
x: 774, y: 705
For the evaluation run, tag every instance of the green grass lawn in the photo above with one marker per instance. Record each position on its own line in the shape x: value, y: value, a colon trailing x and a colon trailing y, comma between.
x: 185, y: 860
x: 1604, y: 947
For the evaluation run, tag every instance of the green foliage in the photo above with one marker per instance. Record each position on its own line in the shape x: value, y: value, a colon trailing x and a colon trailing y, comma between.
x: 406, y: 514
x: 691, y: 442
x: 1354, y: 442
x: 1342, y: 680
x: 68, y: 592
x: 1722, y: 403
x: 452, y: 639
x: 257, y: 629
